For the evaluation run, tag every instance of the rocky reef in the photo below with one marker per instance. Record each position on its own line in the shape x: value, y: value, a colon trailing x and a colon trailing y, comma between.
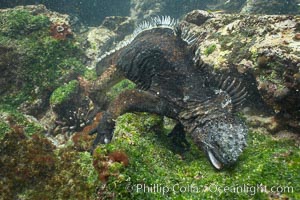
x: 45, y: 115
x: 264, y: 48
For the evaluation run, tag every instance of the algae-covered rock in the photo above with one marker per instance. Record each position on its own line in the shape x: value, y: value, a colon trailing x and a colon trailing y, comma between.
x: 103, y: 38
x: 10, y: 119
x: 264, y: 50
x: 34, y: 64
x: 39, y: 62
x: 31, y: 162
x: 143, y: 9
x: 64, y: 93
x: 7, y: 79
x: 71, y: 106
x: 157, y: 169
x: 37, y: 57
x: 32, y: 168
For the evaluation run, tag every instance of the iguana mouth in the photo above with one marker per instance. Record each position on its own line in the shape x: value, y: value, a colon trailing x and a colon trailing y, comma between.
x: 214, y: 161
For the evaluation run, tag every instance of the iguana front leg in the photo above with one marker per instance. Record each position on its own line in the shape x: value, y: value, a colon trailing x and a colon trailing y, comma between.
x: 178, y: 137
x: 130, y: 101
x: 97, y: 89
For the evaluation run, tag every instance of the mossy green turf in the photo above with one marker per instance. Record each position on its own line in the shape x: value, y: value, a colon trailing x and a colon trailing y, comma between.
x: 153, y: 160
x: 18, y: 119
x: 64, y: 92
x: 210, y: 49
x: 119, y: 87
x: 4, y: 128
x: 16, y: 23
x: 45, y: 63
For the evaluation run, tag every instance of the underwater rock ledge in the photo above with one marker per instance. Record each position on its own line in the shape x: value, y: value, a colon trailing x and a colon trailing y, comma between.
x: 260, y: 47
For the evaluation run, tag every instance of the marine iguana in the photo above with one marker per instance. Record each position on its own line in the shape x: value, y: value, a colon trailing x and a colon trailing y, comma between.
x: 162, y: 59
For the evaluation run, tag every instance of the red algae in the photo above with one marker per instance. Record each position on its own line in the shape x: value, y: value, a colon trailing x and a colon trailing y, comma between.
x: 60, y: 31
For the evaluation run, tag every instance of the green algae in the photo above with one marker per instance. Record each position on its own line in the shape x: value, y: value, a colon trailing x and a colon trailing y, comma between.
x: 210, y: 49
x: 10, y: 118
x: 237, y: 45
x: 43, y: 63
x: 90, y: 74
x: 64, y: 93
x: 16, y: 23
x: 4, y: 129
x: 119, y: 87
x: 266, y: 163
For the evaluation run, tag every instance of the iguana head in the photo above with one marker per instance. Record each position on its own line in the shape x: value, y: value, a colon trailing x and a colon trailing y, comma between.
x: 223, y: 139
x: 215, y: 129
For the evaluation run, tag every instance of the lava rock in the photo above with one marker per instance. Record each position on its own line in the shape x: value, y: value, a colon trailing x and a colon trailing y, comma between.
x: 198, y: 17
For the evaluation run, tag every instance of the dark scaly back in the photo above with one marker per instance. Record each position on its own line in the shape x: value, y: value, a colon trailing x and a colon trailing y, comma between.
x: 163, y: 56
x: 157, y: 60
x: 157, y: 57
x: 111, y: 57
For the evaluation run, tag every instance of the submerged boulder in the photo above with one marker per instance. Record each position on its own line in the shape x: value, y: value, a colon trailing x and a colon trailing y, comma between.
x: 71, y: 106
x: 100, y: 39
x: 265, y: 50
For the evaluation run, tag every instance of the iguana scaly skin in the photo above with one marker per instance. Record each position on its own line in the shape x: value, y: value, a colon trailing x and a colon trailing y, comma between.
x: 172, y: 81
